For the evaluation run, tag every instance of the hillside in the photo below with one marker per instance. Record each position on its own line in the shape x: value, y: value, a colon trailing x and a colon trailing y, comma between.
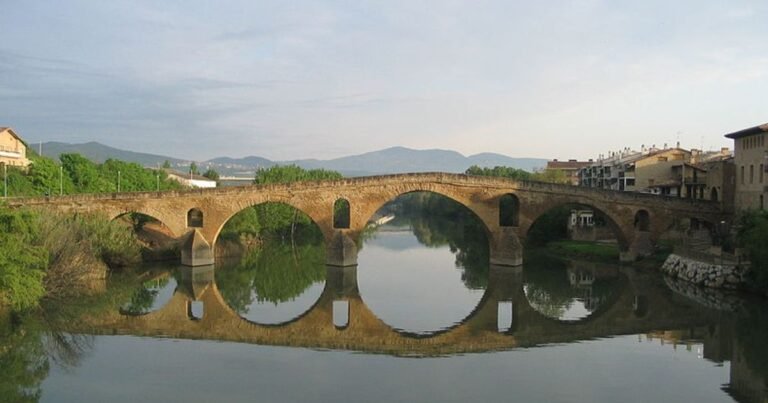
x: 386, y: 161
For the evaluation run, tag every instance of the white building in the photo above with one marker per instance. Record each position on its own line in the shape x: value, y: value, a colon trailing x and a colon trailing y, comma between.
x: 190, y: 180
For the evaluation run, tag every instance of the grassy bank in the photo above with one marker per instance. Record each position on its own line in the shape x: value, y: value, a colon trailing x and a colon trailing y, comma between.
x: 604, y: 252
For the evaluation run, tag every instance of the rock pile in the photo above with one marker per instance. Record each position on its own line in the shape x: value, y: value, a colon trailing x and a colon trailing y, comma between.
x: 706, y: 274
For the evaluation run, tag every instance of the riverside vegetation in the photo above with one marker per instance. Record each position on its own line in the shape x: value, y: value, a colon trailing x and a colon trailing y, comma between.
x: 45, y: 254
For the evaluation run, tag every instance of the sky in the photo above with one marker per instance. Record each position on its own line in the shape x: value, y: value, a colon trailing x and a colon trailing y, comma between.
x: 311, y: 79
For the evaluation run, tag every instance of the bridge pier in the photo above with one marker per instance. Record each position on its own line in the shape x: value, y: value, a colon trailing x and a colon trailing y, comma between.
x: 342, y: 281
x: 340, y: 250
x: 505, y: 287
x: 642, y: 245
x: 341, y: 284
x: 506, y: 249
x: 196, y: 251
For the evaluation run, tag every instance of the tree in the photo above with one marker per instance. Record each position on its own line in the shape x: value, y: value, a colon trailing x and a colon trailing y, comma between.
x: 212, y: 174
x: 551, y: 176
x: 193, y: 168
x: 85, y: 175
x: 752, y: 234
x: 500, y: 171
x: 166, y: 164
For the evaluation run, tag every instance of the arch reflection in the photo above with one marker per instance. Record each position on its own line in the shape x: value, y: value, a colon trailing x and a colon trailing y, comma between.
x: 416, y: 243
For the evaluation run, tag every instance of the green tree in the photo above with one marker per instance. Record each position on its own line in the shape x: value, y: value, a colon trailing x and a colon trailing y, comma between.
x: 752, y: 236
x: 166, y: 164
x: 212, y: 174
x: 193, y: 168
x: 500, y: 171
x: 22, y: 263
x: 551, y: 176
x: 85, y: 175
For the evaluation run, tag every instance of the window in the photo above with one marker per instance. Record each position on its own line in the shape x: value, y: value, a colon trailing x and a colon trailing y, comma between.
x: 751, y: 174
x: 742, y: 174
x: 762, y: 172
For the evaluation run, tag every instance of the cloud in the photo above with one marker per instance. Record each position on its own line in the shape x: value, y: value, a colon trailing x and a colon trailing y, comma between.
x: 304, y: 79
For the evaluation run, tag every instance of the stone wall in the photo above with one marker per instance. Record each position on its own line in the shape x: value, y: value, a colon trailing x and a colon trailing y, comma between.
x: 707, y: 274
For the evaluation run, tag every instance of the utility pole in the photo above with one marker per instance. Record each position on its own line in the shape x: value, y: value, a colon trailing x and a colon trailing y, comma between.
x: 5, y: 180
x: 158, y: 182
x: 118, y: 181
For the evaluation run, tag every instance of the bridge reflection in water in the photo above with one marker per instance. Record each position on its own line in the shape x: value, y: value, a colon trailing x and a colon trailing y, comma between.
x: 340, y: 319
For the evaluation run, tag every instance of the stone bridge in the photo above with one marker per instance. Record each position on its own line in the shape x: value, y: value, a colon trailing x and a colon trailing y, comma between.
x: 508, y: 208
x: 641, y: 304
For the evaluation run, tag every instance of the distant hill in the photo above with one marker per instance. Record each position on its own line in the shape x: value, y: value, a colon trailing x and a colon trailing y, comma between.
x: 386, y: 161
x: 98, y: 152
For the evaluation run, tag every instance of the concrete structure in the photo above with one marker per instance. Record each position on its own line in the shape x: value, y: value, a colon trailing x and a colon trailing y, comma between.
x: 571, y: 168
x: 751, y: 163
x: 637, y: 220
x: 190, y: 180
x: 13, y: 151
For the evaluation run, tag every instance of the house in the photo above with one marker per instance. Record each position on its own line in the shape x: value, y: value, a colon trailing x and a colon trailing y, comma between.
x: 751, y: 163
x: 190, y: 180
x: 13, y: 150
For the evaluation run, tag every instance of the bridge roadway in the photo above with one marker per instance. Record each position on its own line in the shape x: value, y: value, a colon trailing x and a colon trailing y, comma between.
x: 199, y: 215
x: 640, y: 305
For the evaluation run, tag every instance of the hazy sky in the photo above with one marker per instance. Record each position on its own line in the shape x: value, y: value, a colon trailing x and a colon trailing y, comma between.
x: 300, y: 79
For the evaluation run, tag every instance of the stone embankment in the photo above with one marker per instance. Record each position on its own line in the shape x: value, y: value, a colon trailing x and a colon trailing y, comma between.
x: 706, y: 274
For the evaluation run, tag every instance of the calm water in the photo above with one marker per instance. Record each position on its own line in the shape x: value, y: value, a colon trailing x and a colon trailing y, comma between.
x: 422, y: 318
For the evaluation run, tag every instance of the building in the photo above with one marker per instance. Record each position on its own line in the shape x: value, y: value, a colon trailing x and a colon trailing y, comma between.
x: 665, y: 171
x: 571, y: 168
x: 616, y: 171
x: 190, y: 180
x: 751, y: 163
x: 13, y: 150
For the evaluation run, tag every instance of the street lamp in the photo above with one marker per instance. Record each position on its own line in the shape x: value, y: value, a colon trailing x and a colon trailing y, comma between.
x: 157, y: 176
x: 118, y: 181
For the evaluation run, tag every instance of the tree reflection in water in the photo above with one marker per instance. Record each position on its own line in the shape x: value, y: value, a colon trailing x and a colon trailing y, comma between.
x: 277, y: 272
x: 438, y: 221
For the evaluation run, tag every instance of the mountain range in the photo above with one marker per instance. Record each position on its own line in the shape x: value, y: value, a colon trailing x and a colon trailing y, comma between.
x: 386, y: 161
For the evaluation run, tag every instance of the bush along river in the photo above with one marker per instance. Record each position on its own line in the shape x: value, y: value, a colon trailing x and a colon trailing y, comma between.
x: 423, y: 317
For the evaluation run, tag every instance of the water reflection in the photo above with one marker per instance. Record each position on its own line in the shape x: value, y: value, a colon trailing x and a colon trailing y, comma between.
x: 416, y: 244
x: 156, y: 289
x: 569, y: 290
x: 275, y: 283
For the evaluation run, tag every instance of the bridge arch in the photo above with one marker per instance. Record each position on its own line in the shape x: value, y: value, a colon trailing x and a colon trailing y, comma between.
x: 341, y: 214
x: 248, y: 204
x: 509, y: 210
x: 195, y: 218
x: 642, y: 220
x: 483, y: 215
x: 612, y: 221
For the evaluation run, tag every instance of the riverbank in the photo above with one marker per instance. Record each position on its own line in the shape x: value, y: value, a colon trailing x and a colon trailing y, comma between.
x: 51, y: 255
